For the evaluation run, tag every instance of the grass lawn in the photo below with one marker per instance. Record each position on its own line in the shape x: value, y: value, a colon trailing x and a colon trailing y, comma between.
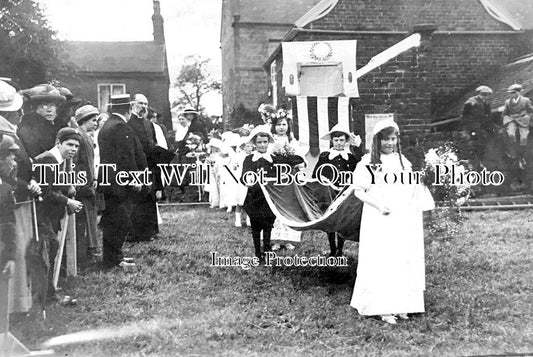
x: 479, y: 298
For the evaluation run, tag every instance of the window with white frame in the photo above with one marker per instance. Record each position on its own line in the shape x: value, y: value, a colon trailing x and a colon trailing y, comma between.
x: 106, y: 90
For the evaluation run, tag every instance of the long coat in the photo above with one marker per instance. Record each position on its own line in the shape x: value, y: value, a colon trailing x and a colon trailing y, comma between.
x: 476, y: 115
x: 24, y: 172
x: 85, y: 162
x: 255, y: 204
x: 37, y: 133
x: 7, y: 224
x: 120, y: 146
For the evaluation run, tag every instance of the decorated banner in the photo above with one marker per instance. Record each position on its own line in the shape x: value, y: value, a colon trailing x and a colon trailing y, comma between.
x: 313, y: 117
x: 330, y: 64
x: 314, y: 206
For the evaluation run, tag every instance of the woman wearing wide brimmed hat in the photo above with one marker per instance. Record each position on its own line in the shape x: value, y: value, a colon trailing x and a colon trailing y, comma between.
x: 197, y: 125
x: 39, y: 127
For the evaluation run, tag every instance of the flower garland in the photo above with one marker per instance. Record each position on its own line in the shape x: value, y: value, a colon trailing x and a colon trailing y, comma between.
x: 281, y: 114
x: 266, y: 109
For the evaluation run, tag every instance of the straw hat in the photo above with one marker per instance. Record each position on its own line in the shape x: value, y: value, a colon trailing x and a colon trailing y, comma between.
x: 339, y: 128
x: 261, y: 129
x: 10, y: 100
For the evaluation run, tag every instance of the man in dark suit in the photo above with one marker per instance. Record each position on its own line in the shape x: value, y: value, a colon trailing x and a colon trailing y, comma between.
x: 57, y: 196
x: 119, y: 146
x: 144, y: 215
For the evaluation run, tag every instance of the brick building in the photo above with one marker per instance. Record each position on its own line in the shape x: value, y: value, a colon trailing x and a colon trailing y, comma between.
x: 250, y: 31
x: 471, y: 40
x: 105, y: 68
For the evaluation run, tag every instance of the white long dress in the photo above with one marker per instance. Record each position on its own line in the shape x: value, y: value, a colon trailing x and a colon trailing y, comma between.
x: 391, y: 271
x: 281, y: 232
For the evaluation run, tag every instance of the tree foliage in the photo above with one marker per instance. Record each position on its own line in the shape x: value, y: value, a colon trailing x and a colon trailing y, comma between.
x: 30, y: 51
x: 193, y: 82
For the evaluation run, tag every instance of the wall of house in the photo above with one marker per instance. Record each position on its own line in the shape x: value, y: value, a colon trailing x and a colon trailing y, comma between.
x: 153, y: 85
x: 462, y: 61
x: 227, y: 45
x: 253, y: 44
x: 468, y: 45
x: 244, y: 51
x: 419, y: 84
x: 449, y: 15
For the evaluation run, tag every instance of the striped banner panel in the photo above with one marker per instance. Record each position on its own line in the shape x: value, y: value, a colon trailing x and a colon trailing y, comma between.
x: 313, y: 117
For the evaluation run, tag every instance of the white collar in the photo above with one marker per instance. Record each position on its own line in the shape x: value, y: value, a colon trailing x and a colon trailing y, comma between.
x: 258, y: 155
x: 121, y: 117
x: 334, y: 153
x: 57, y: 154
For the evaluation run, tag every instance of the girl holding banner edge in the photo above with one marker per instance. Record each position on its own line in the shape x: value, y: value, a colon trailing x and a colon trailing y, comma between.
x: 390, y: 279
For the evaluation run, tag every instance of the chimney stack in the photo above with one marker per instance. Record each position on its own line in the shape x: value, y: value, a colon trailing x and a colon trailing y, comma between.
x: 157, y: 20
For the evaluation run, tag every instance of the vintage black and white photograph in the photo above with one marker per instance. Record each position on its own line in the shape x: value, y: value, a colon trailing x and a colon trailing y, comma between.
x: 266, y: 178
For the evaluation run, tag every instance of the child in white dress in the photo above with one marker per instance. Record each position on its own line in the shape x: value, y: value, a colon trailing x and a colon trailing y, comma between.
x: 286, y: 144
x: 245, y: 148
x: 391, y: 272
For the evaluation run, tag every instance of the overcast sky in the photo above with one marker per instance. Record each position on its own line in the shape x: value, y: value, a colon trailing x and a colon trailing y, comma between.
x: 191, y: 27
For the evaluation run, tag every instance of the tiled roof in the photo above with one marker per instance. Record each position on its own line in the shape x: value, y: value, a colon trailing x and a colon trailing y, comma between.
x: 273, y: 11
x: 519, y: 71
x: 131, y: 56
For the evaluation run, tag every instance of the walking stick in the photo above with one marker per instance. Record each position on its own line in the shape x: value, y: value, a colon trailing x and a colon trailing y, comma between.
x: 36, y: 233
x: 34, y: 213
x: 59, y: 256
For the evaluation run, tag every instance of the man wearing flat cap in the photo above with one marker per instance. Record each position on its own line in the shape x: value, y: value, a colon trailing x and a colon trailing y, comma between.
x: 119, y: 146
x: 38, y: 128
x: 476, y: 121
x: 517, y: 116
x: 57, y: 199
x: 86, y: 229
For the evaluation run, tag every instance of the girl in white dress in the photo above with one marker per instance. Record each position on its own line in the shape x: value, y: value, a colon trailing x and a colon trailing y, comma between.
x: 286, y: 144
x: 228, y: 171
x: 245, y: 148
x: 390, y: 278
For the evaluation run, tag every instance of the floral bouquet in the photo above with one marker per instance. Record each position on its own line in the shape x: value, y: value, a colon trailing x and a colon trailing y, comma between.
x: 451, y: 195
x: 283, y: 149
x: 195, y: 147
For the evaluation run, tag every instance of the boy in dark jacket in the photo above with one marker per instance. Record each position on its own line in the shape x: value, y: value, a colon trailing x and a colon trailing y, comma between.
x: 330, y: 164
